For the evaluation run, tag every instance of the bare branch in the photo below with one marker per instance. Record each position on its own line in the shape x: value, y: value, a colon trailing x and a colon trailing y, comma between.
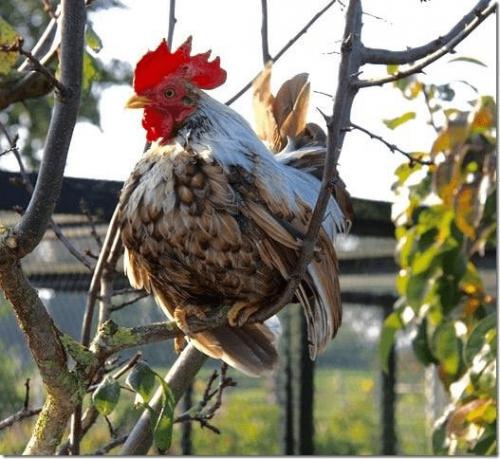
x: 139, y: 297
x: 30, y: 230
x: 93, y: 230
x: 19, y: 416
x: 96, y: 278
x: 112, y: 444
x: 385, y: 56
x: 432, y: 57
x: 29, y: 186
x: 265, y: 40
x: 204, y: 413
x: 349, y: 65
x: 283, y: 50
x: 171, y: 23
x: 393, y: 148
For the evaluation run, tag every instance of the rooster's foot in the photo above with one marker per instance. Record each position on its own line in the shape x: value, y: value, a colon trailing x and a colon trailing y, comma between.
x: 182, y: 314
x: 179, y: 344
x: 240, y: 312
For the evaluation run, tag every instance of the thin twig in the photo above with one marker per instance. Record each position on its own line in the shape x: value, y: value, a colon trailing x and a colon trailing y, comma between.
x: 129, y: 302
x: 393, y: 148
x: 37, y: 65
x: 432, y: 57
x: 427, y: 99
x: 29, y: 187
x: 93, y: 229
x: 26, y: 394
x: 130, y: 364
x: 203, y: 413
x: 283, y: 50
x: 171, y: 23
x: 19, y: 416
x: 264, y: 34
x: 112, y: 444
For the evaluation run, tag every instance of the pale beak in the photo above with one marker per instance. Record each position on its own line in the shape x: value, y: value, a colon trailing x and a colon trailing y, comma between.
x: 137, y: 102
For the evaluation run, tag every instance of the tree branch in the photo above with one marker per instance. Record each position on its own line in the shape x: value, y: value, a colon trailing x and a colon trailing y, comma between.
x: 29, y: 186
x: 30, y: 230
x: 42, y: 335
x: 393, y: 148
x: 283, y: 50
x: 385, y: 56
x: 432, y: 57
x: 19, y: 416
x: 349, y: 65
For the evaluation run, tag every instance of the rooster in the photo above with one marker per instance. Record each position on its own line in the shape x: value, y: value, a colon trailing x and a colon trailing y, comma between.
x: 210, y: 216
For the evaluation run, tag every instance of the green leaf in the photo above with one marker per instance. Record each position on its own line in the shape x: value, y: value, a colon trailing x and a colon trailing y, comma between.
x: 90, y: 72
x: 162, y: 431
x: 392, y: 69
x: 446, y: 347
x: 395, y: 122
x: 106, y: 395
x: 421, y: 346
x: 92, y: 39
x: 142, y: 381
x: 479, y: 337
x: 415, y: 290
x: 439, y: 439
x: 471, y: 60
x: 454, y: 263
x: 392, y: 324
x: 8, y: 37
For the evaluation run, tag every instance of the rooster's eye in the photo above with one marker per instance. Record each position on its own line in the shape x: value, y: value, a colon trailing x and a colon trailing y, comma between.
x: 169, y: 93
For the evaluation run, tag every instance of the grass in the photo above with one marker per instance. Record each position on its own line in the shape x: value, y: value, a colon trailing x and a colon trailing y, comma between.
x: 347, y: 419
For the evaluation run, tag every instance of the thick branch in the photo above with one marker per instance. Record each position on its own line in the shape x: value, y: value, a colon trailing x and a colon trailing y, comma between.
x: 283, y: 50
x: 430, y: 58
x: 33, y: 224
x: 385, y: 56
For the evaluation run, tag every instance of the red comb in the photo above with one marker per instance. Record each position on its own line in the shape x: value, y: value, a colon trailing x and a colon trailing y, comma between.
x: 157, y: 64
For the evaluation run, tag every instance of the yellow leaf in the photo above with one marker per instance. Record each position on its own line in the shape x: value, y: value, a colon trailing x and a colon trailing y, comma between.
x: 476, y: 414
x: 468, y: 209
x: 8, y: 37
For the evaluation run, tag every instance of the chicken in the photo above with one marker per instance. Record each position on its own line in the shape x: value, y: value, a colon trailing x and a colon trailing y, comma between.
x: 209, y: 216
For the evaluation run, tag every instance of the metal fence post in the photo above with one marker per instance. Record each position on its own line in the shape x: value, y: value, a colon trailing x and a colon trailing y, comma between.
x: 389, y: 437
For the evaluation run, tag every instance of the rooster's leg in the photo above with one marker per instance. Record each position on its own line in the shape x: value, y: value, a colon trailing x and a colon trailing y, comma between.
x: 182, y: 314
x: 240, y: 312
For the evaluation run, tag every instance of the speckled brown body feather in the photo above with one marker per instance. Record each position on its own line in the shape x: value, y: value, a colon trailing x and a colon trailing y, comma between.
x: 213, y: 218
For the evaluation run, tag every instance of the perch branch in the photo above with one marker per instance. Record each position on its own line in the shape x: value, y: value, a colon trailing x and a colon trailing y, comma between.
x: 24, y: 413
x: 283, y: 50
x: 434, y: 56
x: 393, y: 148
x: 112, y: 444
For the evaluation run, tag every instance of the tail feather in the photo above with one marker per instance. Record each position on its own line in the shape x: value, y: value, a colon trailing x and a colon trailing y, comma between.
x: 249, y: 349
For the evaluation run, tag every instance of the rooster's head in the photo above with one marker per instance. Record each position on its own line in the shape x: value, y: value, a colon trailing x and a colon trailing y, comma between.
x: 167, y: 85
